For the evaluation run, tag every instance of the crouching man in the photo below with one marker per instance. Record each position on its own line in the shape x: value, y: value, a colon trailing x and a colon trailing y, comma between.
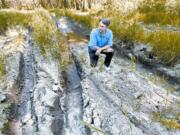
x: 101, y: 41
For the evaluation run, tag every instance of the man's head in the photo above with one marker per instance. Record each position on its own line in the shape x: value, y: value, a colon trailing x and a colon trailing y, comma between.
x: 103, y: 24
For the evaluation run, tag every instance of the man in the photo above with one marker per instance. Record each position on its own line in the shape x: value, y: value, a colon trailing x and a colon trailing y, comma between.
x: 101, y: 41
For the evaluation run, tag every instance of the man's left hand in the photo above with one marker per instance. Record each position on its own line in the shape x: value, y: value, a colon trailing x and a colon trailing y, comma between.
x: 98, y: 51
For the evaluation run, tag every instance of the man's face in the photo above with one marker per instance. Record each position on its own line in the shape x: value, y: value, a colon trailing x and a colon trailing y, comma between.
x: 102, y: 27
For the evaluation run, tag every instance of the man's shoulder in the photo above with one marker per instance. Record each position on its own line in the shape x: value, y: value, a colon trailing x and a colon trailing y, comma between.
x: 94, y: 30
x: 109, y: 31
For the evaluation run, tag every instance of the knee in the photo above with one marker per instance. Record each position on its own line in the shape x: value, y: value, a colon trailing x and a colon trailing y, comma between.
x: 110, y: 50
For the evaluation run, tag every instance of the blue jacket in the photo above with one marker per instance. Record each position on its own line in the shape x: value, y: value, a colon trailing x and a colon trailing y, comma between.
x: 100, y: 40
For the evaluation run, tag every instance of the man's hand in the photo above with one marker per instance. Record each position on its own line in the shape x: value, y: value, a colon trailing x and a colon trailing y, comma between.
x: 96, y: 47
x: 98, y: 51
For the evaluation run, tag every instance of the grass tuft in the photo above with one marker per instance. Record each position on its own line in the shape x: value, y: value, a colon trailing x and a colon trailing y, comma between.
x: 2, y: 66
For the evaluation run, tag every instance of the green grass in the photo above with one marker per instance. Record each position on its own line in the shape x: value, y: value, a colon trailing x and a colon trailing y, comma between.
x: 157, y: 11
x: 11, y: 18
x: 87, y: 20
x: 45, y: 33
x: 44, y: 30
x: 166, y: 45
x: 170, y: 123
x: 2, y: 66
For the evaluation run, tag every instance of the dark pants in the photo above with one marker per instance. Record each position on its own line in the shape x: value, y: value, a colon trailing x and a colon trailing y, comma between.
x: 94, y: 58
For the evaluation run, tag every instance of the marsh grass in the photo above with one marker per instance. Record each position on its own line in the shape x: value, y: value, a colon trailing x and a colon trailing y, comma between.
x: 157, y: 11
x: 10, y: 18
x: 166, y: 45
x: 85, y: 19
x: 44, y: 28
x: 44, y: 31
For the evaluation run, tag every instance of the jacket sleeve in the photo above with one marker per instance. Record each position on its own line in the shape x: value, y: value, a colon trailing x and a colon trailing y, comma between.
x: 110, y: 41
x: 92, y: 42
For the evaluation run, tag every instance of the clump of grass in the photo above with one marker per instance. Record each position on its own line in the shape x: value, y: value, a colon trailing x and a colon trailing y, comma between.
x: 170, y: 123
x: 86, y: 19
x: 44, y: 29
x: 11, y: 18
x: 157, y: 11
x: 2, y: 66
x: 165, y: 45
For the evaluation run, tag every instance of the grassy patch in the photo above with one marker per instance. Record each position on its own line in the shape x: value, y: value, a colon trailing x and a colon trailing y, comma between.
x: 172, y: 122
x: 166, y: 45
x: 44, y: 30
x: 11, y: 18
x: 2, y: 66
x: 157, y: 11
x: 85, y: 19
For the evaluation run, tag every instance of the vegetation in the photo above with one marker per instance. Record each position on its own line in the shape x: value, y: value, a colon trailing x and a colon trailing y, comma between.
x: 30, y: 4
x: 10, y: 18
x: 157, y: 11
x: 2, y: 67
x: 86, y: 19
x: 170, y: 123
x: 130, y: 28
x: 166, y: 45
x: 45, y: 32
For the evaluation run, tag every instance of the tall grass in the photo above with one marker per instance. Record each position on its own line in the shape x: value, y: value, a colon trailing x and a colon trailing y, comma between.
x: 166, y: 45
x: 12, y: 18
x: 44, y: 30
x: 157, y: 11
x: 87, y: 19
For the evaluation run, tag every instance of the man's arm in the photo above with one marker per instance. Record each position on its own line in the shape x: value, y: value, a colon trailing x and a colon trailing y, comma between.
x: 110, y: 42
x: 93, y: 42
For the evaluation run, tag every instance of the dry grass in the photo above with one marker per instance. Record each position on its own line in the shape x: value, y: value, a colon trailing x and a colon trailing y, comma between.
x: 166, y: 45
x: 156, y: 11
x: 170, y: 123
x: 85, y: 19
x: 45, y: 32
